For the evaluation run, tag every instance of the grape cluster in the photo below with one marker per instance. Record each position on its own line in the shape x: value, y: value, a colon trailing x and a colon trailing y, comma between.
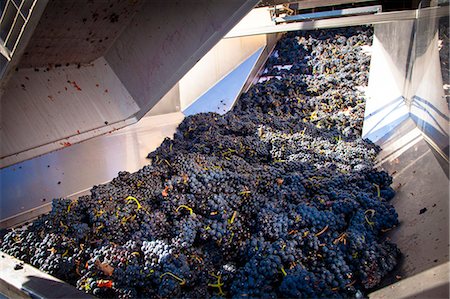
x: 277, y: 198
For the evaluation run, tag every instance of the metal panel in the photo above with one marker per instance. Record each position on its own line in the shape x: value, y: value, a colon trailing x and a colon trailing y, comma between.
x: 216, y: 64
x: 255, y: 20
x: 168, y: 104
x: 330, y: 14
x: 263, y: 23
x: 30, y: 282
x: 405, y: 80
x: 45, y: 106
x: 77, y: 31
x: 306, y: 4
x: 432, y: 283
x: 420, y: 183
x: 388, y: 83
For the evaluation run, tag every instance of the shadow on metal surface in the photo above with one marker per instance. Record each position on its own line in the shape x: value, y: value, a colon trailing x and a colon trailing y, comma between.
x: 39, y: 287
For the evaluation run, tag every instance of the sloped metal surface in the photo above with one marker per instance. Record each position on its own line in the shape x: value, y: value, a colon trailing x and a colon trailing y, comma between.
x: 221, y: 97
x: 94, y: 68
x: 77, y: 31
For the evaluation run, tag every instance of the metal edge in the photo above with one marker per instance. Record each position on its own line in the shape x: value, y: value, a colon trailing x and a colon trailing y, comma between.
x: 30, y: 282
x: 331, y: 14
x: 209, y: 43
x: 345, y: 21
x: 58, y: 144
x: 259, y: 67
x: 238, y: 64
x: 10, y: 292
x: 167, y: 123
x: 34, y: 18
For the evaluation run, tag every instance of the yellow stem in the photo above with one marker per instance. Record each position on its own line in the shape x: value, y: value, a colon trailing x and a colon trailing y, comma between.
x: 63, y: 225
x: 70, y: 205
x: 218, y: 285
x: 233, y: 217
x: 185, y: 207
x: 245, y: 192
x: 131, y: 198
x: 372, y: 211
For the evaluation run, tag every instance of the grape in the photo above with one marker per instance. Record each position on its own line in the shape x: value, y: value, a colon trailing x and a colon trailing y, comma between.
x: 279, y: 197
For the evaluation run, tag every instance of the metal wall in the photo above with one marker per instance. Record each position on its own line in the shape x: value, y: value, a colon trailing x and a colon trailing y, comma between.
x: 59, y: 96
x: 386, y: 105
x: 406, y: 82
x: 429, y: 108
x: 216, y: 64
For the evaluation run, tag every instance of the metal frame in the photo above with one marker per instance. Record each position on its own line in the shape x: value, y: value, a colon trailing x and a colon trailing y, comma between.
x: 30, y: 282
x: 307, y: 4
x: 378, y: 18
x: 142, y: 84
x: 330, y: 14
x: 6, y: 49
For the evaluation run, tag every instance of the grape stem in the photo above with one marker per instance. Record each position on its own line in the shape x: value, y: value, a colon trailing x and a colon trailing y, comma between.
x: 63, y: 225
x: 70, y: 205
x: 181, y: 280
x: 99, y: 227
x: 233, y: 217
x: 372, y: 212
x: 246, y: 192
x: 342, y: 238
x: 387, y: 229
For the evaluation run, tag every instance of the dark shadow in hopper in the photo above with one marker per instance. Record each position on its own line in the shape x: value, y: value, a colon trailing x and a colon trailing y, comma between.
x: 39, y: 287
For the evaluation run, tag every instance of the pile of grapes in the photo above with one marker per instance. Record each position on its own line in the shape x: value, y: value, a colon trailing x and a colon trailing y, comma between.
x: 277, y: 198
x: 444, y: 55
